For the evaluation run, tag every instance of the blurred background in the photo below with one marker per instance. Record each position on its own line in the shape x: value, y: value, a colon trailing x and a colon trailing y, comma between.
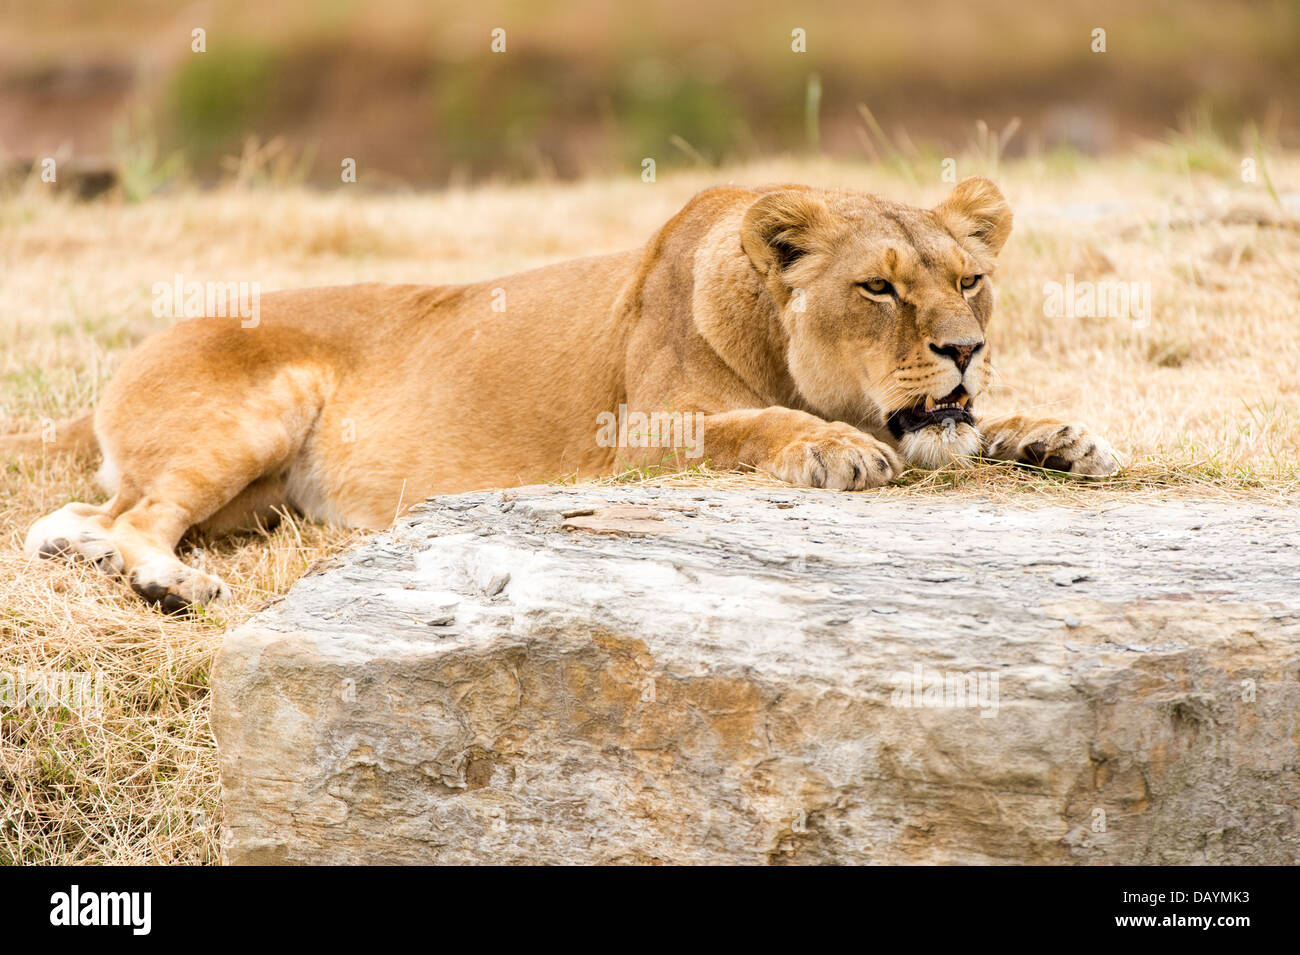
x: 414, y: 93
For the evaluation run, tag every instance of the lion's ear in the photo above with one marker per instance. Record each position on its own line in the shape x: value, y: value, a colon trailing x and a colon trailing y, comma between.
x: 781, y: 228
x: 976, y: 211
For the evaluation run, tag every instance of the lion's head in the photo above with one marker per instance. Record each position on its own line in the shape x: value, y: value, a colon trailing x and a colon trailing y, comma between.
x: 885, y: 306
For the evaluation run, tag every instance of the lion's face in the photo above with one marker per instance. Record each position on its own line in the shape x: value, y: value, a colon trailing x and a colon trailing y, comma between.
x: 885, y: 307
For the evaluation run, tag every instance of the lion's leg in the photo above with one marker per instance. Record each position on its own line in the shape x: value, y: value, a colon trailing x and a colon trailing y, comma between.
x: 798, y: 447
x: 259, y: 505
x: 147, y: 534
x: 136, y: 534
x: 225, y: 483
x: 220, y: 480
x: 205, y: 450
x: 1048, y: 443
x: 129, y: 535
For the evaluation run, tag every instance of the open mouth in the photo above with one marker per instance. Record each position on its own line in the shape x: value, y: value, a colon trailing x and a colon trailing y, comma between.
x: 950, y: 410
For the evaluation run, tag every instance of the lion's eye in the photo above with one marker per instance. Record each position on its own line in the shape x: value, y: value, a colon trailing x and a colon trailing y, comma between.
x: 970, y: 281
x: 877, y: 287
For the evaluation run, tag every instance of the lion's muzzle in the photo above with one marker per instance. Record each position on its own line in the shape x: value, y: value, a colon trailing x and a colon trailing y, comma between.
x: 949, y: 411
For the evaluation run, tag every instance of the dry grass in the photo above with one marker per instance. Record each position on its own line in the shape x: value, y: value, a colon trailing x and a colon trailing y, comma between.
x: 134, y: 781
x: 1205, y: 401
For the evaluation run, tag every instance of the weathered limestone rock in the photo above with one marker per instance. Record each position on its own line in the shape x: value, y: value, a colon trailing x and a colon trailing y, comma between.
x: 586, y: 675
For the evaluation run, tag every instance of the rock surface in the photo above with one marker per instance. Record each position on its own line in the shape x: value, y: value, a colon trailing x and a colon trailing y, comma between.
x: 678, y: 675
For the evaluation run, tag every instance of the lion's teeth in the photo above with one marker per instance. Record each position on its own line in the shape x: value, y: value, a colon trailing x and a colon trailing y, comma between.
x: 964, y: 400
x: 929, y: 403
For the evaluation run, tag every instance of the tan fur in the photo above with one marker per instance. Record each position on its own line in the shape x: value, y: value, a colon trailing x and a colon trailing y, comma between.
x: 73, y: 436
x: 351, y: 404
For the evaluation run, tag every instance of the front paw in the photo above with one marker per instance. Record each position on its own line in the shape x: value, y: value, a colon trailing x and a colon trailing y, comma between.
x: 836, y: 456
x: 1056, y: 446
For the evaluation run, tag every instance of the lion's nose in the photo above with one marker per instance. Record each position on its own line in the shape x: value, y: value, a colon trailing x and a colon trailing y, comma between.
x: 960, y: 352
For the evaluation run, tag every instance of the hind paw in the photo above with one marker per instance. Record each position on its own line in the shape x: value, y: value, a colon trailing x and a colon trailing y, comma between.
x: 71, y: 540
x: 176, y: 588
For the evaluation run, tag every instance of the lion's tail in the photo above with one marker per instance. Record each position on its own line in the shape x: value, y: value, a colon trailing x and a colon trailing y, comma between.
x: 75, y: 435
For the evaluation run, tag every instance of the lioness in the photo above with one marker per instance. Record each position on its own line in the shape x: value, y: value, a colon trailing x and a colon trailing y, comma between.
x: 828, y: 338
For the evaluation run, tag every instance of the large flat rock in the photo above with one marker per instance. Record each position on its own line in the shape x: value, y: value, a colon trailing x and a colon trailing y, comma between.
x: 642, y: 674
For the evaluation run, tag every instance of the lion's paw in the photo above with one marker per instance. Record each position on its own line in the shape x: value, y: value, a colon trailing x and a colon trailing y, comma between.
x: 68, y: 534
x: 836, y: 456
x: 174, y: 587
x: 1057, y: 446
